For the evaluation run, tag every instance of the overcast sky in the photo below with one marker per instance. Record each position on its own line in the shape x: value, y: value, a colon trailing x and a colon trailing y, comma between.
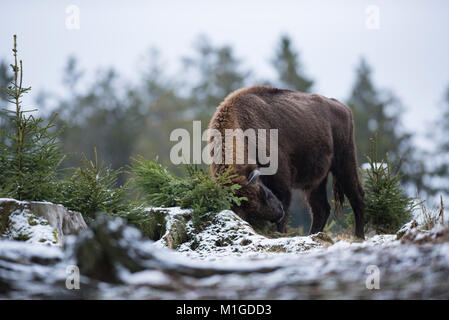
x: 409, y: 52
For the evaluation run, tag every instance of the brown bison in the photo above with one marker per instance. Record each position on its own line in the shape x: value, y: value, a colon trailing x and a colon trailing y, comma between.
x: 315, y: 137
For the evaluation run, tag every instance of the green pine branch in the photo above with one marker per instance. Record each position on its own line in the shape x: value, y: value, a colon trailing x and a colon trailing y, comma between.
x: 197, y: 190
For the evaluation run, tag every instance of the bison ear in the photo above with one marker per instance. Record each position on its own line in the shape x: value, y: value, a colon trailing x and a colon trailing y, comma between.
x: 253, y: 176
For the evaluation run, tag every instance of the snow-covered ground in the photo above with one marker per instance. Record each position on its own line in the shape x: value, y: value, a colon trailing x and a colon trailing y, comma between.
x: 116, y: 262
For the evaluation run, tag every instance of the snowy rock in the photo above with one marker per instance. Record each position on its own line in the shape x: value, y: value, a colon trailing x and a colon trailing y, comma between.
x: 106, y: 247
x: 225, y: 234
x: 38, y: 222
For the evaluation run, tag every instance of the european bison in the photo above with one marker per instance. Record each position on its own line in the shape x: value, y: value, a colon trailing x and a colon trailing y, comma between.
x: 315, y: 135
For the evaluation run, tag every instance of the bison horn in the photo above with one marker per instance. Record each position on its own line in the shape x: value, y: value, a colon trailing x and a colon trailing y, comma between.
x: 253, y: 176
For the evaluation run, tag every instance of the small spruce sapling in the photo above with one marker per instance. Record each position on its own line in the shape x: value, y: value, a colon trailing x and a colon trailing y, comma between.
x: 387, y: 206
x: 91, y: 189
x: 30, y: 154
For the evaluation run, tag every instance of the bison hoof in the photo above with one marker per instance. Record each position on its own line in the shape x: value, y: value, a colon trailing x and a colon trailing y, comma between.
x: 361, y: 236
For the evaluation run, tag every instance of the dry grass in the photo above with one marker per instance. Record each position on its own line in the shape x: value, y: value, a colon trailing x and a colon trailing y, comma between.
x: 431, y: 217
x: 349, y: 237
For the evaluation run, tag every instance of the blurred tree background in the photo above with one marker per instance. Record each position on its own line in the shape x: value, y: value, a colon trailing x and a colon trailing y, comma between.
x: 440, y: 171
x: 5, y: 79
x: 122, y: 119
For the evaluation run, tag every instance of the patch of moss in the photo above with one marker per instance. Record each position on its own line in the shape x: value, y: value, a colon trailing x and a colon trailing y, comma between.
x: 55, y: 236
x: 32, y: 221
x: 277, y: 249
x: 151, y: 223
x: 245, y: 242
x: 195, y: 243
x: 5, y: 210
x: 223, y: 242
x: 155, y: 225
x: 178, y: 232
x: 264, y: 228
x: 22, y: 237
x: 269, y: 230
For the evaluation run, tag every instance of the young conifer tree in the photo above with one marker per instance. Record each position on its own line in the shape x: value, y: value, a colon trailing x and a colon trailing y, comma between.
x: 92, y: 189
x: 387, y: 206
x: 30, y: 154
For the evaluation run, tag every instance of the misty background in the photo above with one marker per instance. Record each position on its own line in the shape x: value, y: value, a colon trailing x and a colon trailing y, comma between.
x: 123, y: 75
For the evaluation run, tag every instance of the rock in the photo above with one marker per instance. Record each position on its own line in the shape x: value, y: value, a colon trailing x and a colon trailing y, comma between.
x: 63, y: 220
x: 38, y: 222
x: 108, y: 245
x: 6, y: 207
x: 225, y: 233
x: 168, y: 224
x: 27, y: 267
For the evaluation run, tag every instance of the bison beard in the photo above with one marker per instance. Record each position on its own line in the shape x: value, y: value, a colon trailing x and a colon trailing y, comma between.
x: 316, y: 137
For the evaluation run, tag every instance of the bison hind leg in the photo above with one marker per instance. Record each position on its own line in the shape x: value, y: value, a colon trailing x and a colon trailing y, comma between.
x: 319, y: 205
x: 347, y: 177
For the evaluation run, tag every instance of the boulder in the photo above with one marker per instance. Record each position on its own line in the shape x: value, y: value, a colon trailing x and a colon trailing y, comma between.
x: 38, y: 222
x: 223, y: 234
x: 107, y: 247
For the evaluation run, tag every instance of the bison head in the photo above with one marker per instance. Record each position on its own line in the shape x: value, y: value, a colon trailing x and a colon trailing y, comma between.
x: 262, y: 204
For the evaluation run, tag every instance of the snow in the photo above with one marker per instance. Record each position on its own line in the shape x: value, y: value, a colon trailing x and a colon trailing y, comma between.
x: 283, y: 268
x: 18, y: 250
x: 338, y: 271
x: 149, y: 277
x: 367, y: 166
x: 23, y: 224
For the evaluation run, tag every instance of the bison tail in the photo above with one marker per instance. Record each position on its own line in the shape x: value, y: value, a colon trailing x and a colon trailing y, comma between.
x: 339, y: 197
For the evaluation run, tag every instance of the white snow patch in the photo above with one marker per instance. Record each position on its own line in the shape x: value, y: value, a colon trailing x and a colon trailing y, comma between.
x: 24, y: 225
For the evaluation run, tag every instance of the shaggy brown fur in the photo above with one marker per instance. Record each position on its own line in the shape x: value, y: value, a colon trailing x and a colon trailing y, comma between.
x: 315, y: 137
